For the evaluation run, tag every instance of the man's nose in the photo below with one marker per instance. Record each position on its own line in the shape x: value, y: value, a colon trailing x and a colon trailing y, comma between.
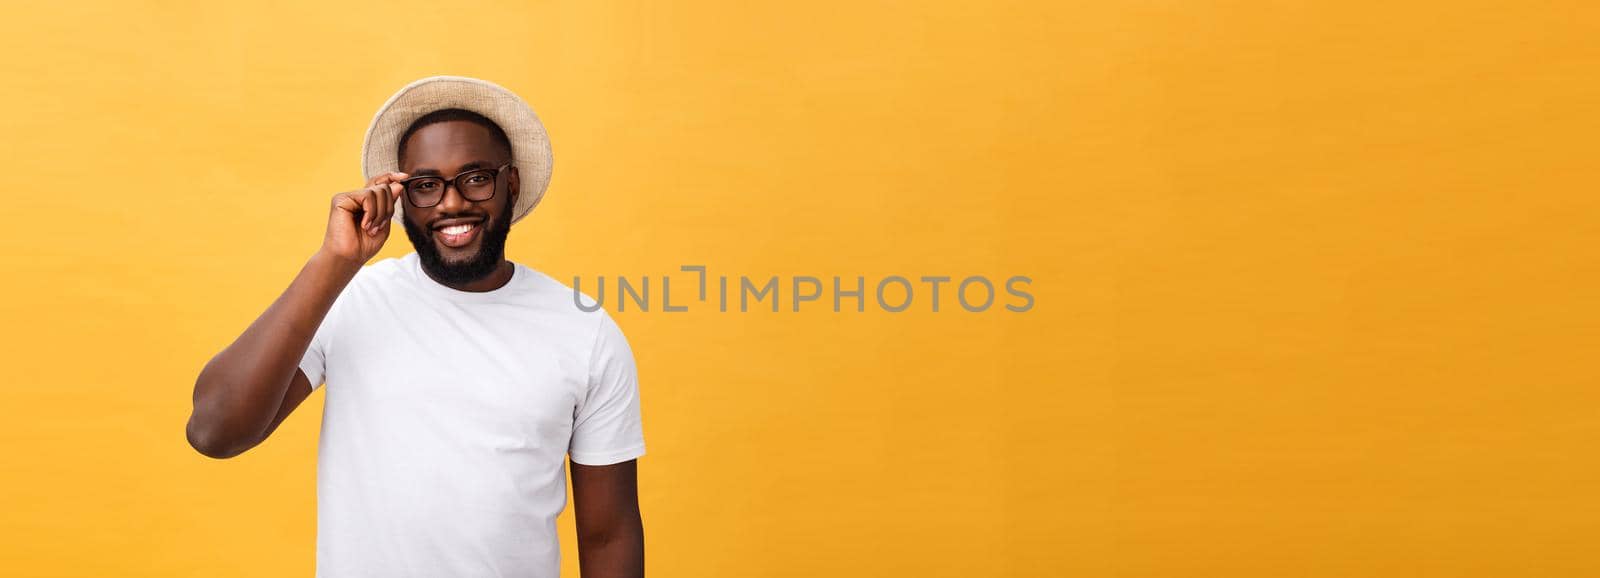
x: 452, y: 202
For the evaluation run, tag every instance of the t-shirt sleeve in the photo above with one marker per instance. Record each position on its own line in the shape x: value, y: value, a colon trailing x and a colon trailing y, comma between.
x: 315, y: 361
x: 606, y: 426
x: 313, y: 364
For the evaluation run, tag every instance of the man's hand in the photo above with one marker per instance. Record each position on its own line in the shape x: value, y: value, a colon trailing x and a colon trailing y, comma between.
x: 358, y: 221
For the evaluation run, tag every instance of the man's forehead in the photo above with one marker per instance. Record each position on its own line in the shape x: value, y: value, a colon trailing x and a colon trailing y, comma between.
x: 446, y: 146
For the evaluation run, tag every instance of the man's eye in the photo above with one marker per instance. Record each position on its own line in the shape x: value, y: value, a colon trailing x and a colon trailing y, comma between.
x: 424, y: 186
x: 477, y: 179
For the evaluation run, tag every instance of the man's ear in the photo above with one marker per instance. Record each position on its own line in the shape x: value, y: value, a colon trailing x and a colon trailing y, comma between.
x: 514, y: 183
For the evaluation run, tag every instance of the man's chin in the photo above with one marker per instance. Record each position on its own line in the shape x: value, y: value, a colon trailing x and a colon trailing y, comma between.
x: 451, y: 256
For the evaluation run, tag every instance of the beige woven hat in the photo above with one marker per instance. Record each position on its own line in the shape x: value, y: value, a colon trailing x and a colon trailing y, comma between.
x: 530, y: 146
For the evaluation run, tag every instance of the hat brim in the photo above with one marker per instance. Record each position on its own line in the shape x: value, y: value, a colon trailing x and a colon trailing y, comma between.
x: 530, y: 146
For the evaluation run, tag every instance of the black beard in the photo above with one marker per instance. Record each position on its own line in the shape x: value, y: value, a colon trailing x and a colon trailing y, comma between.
x: 476, y: 267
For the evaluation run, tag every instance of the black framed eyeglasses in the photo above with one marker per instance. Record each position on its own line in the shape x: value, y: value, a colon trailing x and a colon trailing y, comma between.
x: 475, y: 185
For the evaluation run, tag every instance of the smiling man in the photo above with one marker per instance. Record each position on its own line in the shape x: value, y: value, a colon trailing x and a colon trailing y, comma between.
x: 458, y: 382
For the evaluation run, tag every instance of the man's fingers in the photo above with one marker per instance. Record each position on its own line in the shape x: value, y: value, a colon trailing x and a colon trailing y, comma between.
x: 388, y: 207
x: 380, y: 208
x: 368, y: 205
x: 383, y: 178
x: 386, y: 178
x: 395, y: 191
x: 375, y: 204
x: 347, y: 202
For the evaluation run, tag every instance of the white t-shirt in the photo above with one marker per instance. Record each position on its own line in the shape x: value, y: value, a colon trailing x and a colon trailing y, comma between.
x: 448, y: 417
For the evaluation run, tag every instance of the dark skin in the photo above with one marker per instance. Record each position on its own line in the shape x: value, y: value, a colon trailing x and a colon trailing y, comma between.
x: 246, y: 391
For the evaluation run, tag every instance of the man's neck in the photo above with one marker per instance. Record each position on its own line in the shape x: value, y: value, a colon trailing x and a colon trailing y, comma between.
x: 501, y: 275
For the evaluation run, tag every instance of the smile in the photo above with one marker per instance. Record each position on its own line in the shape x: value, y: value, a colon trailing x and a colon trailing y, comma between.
x: 459, y: 235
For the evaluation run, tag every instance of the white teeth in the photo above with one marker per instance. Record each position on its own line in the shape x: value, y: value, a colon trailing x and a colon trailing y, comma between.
x: 457, y: 229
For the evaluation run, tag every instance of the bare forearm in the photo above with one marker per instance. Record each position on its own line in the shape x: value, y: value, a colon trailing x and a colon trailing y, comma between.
x: 239, y: 391
x: 618, y: 553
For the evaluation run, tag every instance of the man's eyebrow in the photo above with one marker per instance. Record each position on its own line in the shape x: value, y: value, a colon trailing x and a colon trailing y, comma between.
x: 472, y: 166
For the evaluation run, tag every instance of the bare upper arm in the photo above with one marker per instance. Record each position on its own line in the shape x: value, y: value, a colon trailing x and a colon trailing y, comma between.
x: 605, y: 497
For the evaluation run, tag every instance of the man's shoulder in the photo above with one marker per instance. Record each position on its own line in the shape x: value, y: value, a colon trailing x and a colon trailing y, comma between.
x: 374, y: 278
x: 388, y: 270
x: 550, y: 292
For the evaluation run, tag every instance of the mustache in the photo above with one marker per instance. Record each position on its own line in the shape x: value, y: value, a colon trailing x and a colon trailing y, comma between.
x: 479, y: 216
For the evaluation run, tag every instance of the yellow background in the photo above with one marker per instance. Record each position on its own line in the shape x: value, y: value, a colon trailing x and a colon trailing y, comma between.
x: 1315, y: 281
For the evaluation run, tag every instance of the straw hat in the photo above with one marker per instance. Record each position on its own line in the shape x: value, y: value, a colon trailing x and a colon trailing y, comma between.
x: 530, y: 146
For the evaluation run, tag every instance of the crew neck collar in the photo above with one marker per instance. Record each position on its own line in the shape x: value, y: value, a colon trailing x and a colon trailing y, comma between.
x: 428, y: 284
